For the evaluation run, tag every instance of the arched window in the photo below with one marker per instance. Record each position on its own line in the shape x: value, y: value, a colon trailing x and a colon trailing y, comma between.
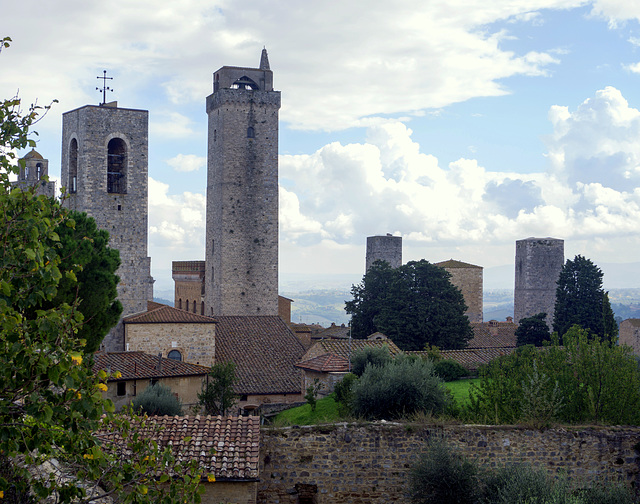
x: 39, y: 171
x: 187, y: 305
x: 175, y: 355
x: 73, y: 166
x: 180, y: 304
x: 117, y: 166
x: 195, y: 306
x: 202, y: 308
x: 251, y: 132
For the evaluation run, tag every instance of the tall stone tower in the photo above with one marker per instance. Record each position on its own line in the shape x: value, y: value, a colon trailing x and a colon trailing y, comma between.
x: 104, y: 170
x: 35, y: 169
x: 469, y: 279
x: 241, y: 276
x: 384, y: 248
x: 538, y: 265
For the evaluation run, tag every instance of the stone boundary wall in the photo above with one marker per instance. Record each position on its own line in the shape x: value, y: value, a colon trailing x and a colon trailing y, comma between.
x: 368, y: 463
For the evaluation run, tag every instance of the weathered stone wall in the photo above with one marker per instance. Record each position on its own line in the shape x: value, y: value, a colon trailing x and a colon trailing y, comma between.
x: 630, y: 334
x: 186, y: 388
x: 222, y: 492
x: 360, y: 464
x: 384, y: 248
x: 188, y: 277
x: 125, y: 214
x: 538, y: 265
x: 196, y: 342
x: 469, y: 279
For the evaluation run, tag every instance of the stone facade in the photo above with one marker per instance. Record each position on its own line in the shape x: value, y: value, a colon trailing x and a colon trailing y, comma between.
x: 33, y: 173
x: 469, y: 279
x: 630, y: 334
x: 241, y: 275
x: 104, y: 170
x: 188, y: 277
x: 538, y: 265
x: 185, y: 388
x: 384, y: 248
x: 368, y: 464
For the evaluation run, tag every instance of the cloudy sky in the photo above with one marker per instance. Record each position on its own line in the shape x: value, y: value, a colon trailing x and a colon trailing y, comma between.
x: 462, y: 125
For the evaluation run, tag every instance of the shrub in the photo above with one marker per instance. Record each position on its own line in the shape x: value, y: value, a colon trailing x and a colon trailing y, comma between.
x: 450, y: 370
x: 376, y: 356
x: 312, y: 393
x: 217, y: 395
x: 343, y: 391
x: 399, y: 388
x: 157, y: 400
x: 441, y: 476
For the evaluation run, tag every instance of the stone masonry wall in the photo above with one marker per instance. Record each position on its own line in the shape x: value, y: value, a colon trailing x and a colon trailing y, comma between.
x: 469, y: 281
x: 384, y: 248
x: 368, y: 463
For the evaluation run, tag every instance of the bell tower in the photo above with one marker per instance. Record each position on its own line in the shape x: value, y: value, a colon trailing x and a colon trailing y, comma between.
x: 241, y: 275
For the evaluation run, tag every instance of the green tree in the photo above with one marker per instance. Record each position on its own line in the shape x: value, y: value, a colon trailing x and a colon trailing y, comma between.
x: 157, y: 399
x: 51, y: 403
x: 217, y: 395
x: 579, y: 297
x: 369, y: 356
x: 611, y: 327
x: 414, y: 305
x: 533, y: 330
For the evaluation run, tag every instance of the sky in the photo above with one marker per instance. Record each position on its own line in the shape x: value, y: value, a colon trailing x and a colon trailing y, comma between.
x: 461, y: 125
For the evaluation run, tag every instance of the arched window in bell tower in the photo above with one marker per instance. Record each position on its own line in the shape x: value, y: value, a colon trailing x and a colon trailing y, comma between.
x: 73, y: 166
x: 38, y: 171
x: 117, y: 166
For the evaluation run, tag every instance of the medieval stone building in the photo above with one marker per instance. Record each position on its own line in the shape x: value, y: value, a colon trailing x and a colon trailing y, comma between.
x: 469, y: 279
x: 34, y: 173
x: 538, y: 265
x: 384, y: 248
x: 241, y: 276
x: 104, y: 170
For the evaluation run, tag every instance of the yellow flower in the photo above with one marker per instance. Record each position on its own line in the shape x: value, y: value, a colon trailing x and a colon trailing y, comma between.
x: 76, y: 358
x: 78, y: 395
x: 102, y: 387
x: 1, y: 494
x: 88, y: 456
x: 211, y: 478
x: 117, y: 375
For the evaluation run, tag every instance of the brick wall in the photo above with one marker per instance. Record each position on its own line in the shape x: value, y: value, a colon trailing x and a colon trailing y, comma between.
x: 368, y: 463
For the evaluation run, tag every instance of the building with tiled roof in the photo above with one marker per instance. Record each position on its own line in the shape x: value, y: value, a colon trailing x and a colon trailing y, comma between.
x: 171, y: 332
x: 328, y: 369
x: 473, y: 358
x: 265, y: 351
x: 135, y: 371
x: 493, y: 334
x: 469, y: 279
x: 227, y: 447
x: 346, y: 348
x: 332, y: 332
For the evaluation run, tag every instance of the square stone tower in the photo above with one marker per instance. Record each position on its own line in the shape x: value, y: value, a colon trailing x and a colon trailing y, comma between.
x: 538, y: 265
x: 384, y: 248
x: 105, y: 171
x: 241, y: 276
x: 33, y: 174
x: 469, y: 279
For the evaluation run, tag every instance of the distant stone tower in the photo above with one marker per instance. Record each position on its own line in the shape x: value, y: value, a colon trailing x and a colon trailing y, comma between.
x: 538, y: 265
x: 32, y: 174
x: 241, y: 276
x: 469, y: 279
x: 384, y: 248
x: 104, y: 170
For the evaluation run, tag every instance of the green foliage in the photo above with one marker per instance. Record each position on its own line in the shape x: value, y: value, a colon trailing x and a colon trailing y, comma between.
x: 217, y: 395
x: 375, y: 356
x: 343, y: 392
x: 450, y: 370
x: 50, y: 400
x: 441, y: 476
x: 414, y: 305
x: 399, y: 388
x: 593, y: 380
x: 533, y: 330
x: 581, y: 300
x: 157, y: 399
x: 327, y: 410
x: 312, y: 393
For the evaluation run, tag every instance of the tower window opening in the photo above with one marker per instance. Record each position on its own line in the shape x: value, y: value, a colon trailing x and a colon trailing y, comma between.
x: 73, y: 166
x: 26, y: 173
x: 174, y: 355
x: 39, y: 171
x: 116, y: 166
x: 245, y: 82
x: 201, y: 307
x: 251, y: 132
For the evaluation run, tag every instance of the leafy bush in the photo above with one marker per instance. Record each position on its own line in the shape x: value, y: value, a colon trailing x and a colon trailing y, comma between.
x: 450, y: 370
x: 440, y: 476
x: 217, y: 395
x: 343, y: 391
x: 157, y: 399
x: 376, y: 356
x: 401, y: 387
x: 312, y: 393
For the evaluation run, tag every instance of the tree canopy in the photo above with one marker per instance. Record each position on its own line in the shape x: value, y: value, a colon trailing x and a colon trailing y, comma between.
x: 533, y: 330
x: 414, y: 305
x: 581, y: 300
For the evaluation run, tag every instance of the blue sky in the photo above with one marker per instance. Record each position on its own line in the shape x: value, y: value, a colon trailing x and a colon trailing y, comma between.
x: 461, y: 125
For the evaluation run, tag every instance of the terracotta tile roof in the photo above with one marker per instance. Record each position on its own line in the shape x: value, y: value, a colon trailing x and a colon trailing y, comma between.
x: 334, y: 331
x: 327, y: 363
x: 163, y: 314
x: 493, y: 335
x: 472, y: 358
x: 264, y: 350
x: 139, y: 365
x: 300, y: 328
x: 344, y: 348
x: 228, y: 447
x: 452, y: 263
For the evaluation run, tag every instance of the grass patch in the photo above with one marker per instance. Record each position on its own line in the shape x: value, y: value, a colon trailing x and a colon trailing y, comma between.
x: 326, y: 411
x: 460, y: 389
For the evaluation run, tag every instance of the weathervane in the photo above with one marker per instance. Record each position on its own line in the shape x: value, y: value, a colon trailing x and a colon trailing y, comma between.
x: 105, y: 88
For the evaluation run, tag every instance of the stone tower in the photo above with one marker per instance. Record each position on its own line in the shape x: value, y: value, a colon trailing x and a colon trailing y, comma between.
x: 384, y: 248
x: 469, y: 279
x: 35, y: 169
x: 538, y: 265
x: 104, y: 170
x: 241, y: 276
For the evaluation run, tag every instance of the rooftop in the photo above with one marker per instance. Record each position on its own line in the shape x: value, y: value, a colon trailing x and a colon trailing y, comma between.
x: 139, y: 365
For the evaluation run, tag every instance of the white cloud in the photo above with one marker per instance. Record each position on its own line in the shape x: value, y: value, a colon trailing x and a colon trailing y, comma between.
x: 187, y: 162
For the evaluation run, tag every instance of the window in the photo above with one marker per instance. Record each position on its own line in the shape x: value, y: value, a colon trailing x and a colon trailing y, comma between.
x: 122, y: 389
x: 187, y: 305
x: 175, y: 355
x: 251, y: 132
x: 117, y: 166
x: 201, y: 307
x: 73, y: 166
x: 180, y: 304
x: 39, y: 171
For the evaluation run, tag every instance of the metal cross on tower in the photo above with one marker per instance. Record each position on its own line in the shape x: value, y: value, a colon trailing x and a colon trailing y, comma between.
x: 105, y: 88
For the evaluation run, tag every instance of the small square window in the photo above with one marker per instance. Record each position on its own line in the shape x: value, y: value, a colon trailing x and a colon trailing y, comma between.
x: 122, y: 388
